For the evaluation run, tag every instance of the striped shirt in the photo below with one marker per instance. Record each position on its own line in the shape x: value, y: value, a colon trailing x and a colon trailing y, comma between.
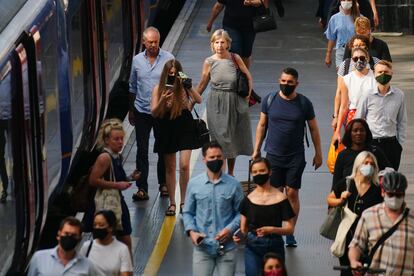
x: 396, y: 254
x: 386, y: 115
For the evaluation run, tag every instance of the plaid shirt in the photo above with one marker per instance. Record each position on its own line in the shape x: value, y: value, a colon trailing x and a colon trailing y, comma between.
x: 396, y: 254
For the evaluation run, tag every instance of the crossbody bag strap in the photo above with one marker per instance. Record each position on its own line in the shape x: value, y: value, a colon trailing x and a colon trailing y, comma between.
x: 386, y: 236
x: 89, y: 249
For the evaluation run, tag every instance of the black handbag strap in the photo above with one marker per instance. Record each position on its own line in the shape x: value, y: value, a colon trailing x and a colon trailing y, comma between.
x: 386, y: 236
x: 234, y: 61
x: 89, y: 249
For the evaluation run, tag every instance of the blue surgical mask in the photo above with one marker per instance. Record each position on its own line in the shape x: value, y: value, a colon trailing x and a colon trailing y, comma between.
x: 366, y: 170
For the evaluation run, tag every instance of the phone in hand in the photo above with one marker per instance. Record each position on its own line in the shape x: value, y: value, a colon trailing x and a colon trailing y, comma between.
x: 200, y: 240
x: 239, y: 234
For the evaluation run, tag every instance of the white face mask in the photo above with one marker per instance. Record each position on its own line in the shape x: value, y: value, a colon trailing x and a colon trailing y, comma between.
x: 366, y: 170
x: 394, y: 203
x: 346, y: 5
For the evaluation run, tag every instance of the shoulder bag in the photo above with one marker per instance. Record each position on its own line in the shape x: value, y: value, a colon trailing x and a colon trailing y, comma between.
x: 203, y: 134
x: 82, y: 194
x: 242, y: 83
x: 110, y: 199
x: 264, y: 21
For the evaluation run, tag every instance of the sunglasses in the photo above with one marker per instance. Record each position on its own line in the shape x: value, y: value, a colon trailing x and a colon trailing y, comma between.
x: 361, y: 58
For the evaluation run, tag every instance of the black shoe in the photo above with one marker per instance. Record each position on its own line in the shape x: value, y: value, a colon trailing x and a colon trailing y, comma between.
x: 140, y: 196
x: 291, y: 241
x: 280, y: 8
x: 3, y: 198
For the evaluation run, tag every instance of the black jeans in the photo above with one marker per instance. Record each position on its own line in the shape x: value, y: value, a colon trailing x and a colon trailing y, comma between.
x: 392, y: 149
x: 3, y: 172
x: 143, y: 124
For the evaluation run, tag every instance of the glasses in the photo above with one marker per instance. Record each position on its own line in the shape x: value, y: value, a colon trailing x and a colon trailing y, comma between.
x: 361, y: 58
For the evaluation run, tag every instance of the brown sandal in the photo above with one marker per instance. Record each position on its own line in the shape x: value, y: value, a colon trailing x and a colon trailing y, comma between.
x: 171, y: 210
x: 163, y: 191
x: 140, y: 196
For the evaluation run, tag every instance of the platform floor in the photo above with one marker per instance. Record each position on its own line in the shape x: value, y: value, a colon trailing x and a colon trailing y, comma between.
x: 160, y: 246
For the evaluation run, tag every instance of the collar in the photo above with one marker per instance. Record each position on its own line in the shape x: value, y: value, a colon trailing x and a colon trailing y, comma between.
x: 208, y: 181
x: 159, y: 52
x: 390, y: 91
x: 55, y: 255
x: 111, y: 153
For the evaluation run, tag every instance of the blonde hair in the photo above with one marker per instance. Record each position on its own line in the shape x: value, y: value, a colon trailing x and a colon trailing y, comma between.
x: 360, y: 50
x: 105, y: 130
x: 385, y: 63
x: 359, y: 160
x: 220, y: 33
x: 362, y: 24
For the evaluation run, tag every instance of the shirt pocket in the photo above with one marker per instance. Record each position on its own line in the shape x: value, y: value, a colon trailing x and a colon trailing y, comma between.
x: 203, y: 204
x: 225, y: 204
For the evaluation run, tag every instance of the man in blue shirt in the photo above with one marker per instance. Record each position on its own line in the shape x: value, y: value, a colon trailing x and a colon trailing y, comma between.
x: 283, y: 117
x: 63, y: 259
x: 145, y: 74
x: 211, y: 215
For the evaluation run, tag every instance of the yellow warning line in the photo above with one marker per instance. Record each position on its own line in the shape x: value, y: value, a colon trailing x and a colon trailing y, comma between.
x: 160, y: 247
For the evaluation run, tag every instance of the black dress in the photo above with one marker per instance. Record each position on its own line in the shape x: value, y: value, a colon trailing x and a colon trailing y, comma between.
x: 356, y: 204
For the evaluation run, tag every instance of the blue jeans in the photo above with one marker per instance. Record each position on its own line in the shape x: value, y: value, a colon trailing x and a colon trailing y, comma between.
x: 204, y: 263
x: 241, y: 41
x: 257, y: 247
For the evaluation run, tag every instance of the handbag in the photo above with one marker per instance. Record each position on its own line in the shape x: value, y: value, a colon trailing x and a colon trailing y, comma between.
x: 254, y: 98
x: 330, y: 226
x: 348, y: 218
x: 110, y: 199
x: 264, y: 21
x: 242, y: 83
x: 333, y: 152
x: 82, y: 194
x: 202, y: 132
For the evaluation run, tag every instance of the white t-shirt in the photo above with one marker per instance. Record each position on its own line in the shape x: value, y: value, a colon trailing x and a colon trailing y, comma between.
x: 358, y: 87
x: 108, y: 259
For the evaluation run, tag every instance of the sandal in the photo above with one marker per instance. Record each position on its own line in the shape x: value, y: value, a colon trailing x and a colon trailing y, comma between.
x: 181, y: 208
x: 140, y: 196
x: 171, y: 210
x: 163, y: 191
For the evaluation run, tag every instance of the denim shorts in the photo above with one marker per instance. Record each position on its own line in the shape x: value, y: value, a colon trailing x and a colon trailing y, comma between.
x: 339, y: 55
x: 241, y: 41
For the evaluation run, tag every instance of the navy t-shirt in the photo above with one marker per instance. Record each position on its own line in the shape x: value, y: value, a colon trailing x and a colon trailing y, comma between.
x: 285, y: 124
x: 237, y: 15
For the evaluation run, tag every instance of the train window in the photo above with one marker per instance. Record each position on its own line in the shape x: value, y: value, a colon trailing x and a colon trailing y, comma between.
x: 8, y: 10
x: 80, y: 68
x: 49, y: 65
x: 114, y: 28
x: 7, y: 205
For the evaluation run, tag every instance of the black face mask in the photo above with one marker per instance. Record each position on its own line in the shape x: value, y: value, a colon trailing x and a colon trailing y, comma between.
x: 260, y: 179
x: 170, y: 80
x: 99, y: 233
x: 68, y: 243
x: 287, y: 89
x: 383, y: 79
x: 215, y: 165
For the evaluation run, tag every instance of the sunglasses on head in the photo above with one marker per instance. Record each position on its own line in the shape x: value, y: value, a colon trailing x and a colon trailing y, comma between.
x: 361, y: 58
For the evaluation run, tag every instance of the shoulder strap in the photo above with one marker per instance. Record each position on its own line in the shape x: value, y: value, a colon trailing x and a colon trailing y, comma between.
x: 270, y: 99
x: 234, y: 61
x: 386, y: 236
x: 89, y: 249
x: 371, y: 63
x: 347, y: 64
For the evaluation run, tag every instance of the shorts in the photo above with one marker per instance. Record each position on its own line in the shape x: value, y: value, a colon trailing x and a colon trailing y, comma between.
x: 287, y: 171
x: 339, y: 55
x: 241, y: 41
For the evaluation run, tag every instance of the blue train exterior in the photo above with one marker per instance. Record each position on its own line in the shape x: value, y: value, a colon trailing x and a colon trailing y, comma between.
x: 60, y: 64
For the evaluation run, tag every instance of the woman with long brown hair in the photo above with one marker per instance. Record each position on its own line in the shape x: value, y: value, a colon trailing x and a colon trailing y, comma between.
x: 171, y: 104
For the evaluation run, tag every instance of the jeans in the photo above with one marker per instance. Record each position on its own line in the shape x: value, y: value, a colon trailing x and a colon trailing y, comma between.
x: 257, y: 247
x: 143, y: 124
x: 204, y: 263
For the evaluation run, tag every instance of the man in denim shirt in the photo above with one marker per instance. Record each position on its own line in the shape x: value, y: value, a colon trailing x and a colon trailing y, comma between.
x: 145, y: 74
x: 211, y: 215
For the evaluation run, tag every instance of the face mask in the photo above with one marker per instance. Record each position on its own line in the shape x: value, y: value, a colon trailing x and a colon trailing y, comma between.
x: 68, y: 243
x: 260, y: 179
x: 366, y: 170
x: 360, y: 65
x: 275, y: 273
x: 346, y: 5
x: 170, y: 80
x: 99, y: 233
x: 383, y: 79
x: 287, y: 89
x: 215, y: 165
x: 394, y: 203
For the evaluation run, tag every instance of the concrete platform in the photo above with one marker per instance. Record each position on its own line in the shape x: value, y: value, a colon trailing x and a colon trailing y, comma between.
x: 298, y: 43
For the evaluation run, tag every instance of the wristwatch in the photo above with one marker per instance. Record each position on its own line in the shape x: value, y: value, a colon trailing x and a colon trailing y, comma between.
x: 334, y: 116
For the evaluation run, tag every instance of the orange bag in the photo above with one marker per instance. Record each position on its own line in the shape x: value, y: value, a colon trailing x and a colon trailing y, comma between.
x: 333, y: 152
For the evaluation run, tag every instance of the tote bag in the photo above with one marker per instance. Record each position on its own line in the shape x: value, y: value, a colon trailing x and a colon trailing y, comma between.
x: 348, y: 218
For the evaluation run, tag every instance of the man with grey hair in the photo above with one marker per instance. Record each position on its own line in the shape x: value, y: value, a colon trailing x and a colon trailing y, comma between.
x: 145, y: 74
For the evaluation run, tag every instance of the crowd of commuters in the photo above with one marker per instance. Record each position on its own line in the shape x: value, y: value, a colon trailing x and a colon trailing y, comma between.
x: 217, y: 216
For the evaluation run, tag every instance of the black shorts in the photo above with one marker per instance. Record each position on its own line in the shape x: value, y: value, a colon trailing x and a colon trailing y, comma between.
x: 287, y: 171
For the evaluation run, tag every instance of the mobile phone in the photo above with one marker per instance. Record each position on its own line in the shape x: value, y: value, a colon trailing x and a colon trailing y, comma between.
x: 239, y: 234
x: 200, y: 239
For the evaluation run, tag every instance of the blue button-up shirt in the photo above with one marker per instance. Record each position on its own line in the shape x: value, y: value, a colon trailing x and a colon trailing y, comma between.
x: 47, y: 262
x: 144, y: 76
x: 211, y: 207
x: 340, y: 29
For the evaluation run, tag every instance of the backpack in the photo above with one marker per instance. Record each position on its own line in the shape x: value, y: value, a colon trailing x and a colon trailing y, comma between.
x: 302, y: 104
